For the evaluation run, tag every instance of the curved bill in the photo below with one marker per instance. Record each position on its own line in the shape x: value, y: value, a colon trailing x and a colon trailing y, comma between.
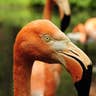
x: 71, y: 57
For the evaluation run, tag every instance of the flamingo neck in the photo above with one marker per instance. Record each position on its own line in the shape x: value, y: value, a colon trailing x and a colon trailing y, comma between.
x: 83, y: 86
x: 65, y: 22
x: 22, y: 73
x: 81, y: 76
x: 48, y: 9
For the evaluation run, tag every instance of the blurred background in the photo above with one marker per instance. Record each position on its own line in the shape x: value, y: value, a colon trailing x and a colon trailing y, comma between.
x: 15, y: 14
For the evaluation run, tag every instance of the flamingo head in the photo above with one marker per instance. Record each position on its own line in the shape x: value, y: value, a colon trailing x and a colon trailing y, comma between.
x: 42, y: 40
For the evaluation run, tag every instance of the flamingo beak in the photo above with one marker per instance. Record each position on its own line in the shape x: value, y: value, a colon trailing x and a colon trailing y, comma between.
x: 75, y: 53
x: 72, y: 58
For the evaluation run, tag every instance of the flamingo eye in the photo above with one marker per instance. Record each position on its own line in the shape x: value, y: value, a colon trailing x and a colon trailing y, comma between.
x: 46, y: 38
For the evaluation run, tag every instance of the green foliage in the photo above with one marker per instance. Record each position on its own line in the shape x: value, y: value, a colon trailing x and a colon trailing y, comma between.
x: 11, y: 3
x: 15, y: 17
x: 80, y: 3
x: 93, y: 5
x: 81, y: 17
x: 37, y: 2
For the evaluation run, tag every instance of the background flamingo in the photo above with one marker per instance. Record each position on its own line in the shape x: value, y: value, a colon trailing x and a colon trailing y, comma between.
x: 90, y: 28
x: 39, y: 40
x: 84, y: 32
x: 64, y: 11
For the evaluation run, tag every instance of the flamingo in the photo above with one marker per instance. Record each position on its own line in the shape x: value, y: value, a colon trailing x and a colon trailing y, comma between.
x: 90, y: 27
x: 80, y: 30
x: 41, y: 40
x: 64, y: 10
x: 85, y: 31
